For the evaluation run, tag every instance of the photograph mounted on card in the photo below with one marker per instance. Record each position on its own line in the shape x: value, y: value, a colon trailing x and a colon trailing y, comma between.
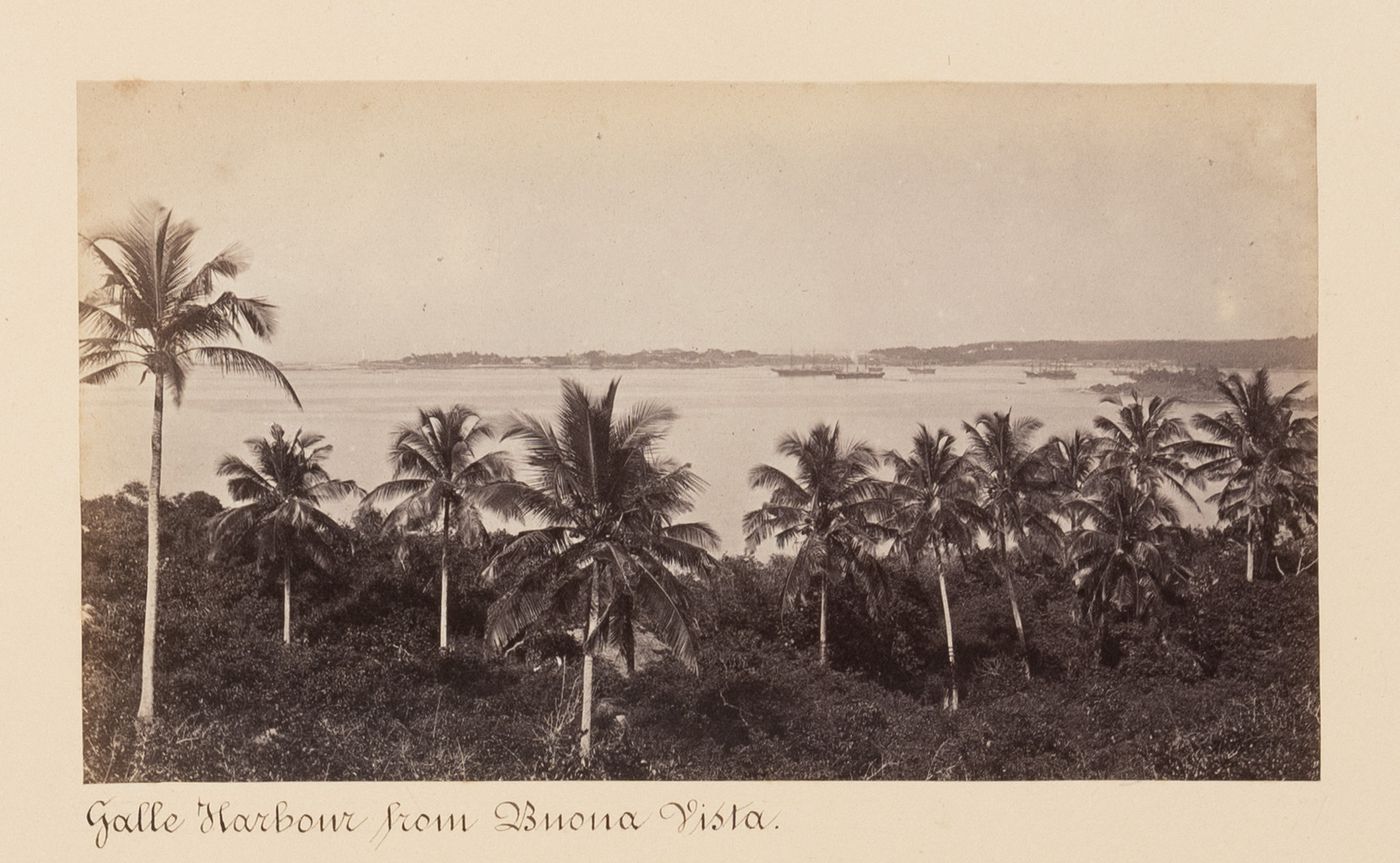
x: 697, y: 431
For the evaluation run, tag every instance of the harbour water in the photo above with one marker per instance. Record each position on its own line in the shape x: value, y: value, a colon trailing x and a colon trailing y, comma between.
x: 729, y: 417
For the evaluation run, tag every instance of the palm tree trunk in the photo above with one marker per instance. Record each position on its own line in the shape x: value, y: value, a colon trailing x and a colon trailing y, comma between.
x: 821, y: 630
x: 1267, y: 536
x: 1016, y: 616
x: 442, y: 585
x: 948, y: 628
x: 1249, y: 547
x: 1065, y: 562
x: 941, y: 559
x: 287, y: 607
x: 146, y: 711
x: 1015, y: 607
x: 586, y: 721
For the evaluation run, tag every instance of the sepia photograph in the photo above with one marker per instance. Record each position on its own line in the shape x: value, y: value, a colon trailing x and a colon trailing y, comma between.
x: 445, y: 431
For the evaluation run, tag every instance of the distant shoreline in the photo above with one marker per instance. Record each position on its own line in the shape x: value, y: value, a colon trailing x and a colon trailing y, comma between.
x: 1185, y: 384
x: 1178, y: 355
x: 395, y: 366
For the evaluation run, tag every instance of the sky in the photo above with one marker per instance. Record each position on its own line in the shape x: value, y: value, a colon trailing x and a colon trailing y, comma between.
x: 526, y: 219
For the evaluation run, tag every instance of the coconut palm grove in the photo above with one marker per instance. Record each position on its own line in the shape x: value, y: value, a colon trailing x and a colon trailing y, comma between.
x: 531, y: 599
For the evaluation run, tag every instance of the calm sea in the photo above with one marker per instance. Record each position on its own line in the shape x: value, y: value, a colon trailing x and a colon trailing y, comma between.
x: 729, y: 418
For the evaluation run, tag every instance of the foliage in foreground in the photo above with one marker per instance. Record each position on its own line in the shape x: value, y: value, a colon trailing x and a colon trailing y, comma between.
x: 1232, y: 692
x: 156, y: 312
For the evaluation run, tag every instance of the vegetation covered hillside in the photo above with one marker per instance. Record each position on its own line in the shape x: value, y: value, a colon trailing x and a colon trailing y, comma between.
x: 1291, y: 352
x: 1231, y: 691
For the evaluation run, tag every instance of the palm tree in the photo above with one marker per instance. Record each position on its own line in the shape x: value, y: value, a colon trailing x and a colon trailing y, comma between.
x: 444, y: 479
x: 157, y: 312
x: 827, y: 509
x: 1124, y: 551
x: 1266, y: 457
x: 1013, y: 477
x: 280, y: 522
x: 1147, y: 443
x: 607, y: 538
x: 932, y: 503
x: 1073, y: 462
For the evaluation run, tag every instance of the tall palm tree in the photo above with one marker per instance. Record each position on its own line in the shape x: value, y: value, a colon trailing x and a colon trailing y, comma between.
x: 444, y: 479
x: 932, y: 504
x: 1124, y: 551
x: 606, y: 505
x: 827, y: 509
x: 1146, y: 442
x: 1016, y: 492
x: 156, y: 311
x: 280, y: 522
x: 1265, y: 456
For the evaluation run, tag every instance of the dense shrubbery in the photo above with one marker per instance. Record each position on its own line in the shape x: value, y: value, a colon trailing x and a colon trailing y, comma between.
x: 1193, y: 385
x: 1225, y: 685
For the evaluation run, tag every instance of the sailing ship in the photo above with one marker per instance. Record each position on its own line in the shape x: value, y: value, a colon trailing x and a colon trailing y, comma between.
x: 806, y: 370
x: 855, y: 371
x: 858, y: 374
x: 1053, y: 371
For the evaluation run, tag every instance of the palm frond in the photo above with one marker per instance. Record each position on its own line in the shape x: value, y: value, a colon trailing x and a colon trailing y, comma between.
x: 527, y: 603
x: 695, y: 533
x: 229, y: 263
x: 392, y: 490
x: 102, y: 376
x: 230, y: 360
x: 663, y: 599
x: 105, y: 325
x: 334, y: 489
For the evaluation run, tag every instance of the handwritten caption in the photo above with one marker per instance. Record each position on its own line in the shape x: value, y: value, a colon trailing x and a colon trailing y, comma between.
x: 223, y: 818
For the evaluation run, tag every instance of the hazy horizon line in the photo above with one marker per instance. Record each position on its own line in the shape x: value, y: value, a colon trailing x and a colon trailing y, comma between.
x: 798, y: 351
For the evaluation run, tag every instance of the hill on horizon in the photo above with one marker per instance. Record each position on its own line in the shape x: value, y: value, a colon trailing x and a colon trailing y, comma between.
x: 1290, y: 352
